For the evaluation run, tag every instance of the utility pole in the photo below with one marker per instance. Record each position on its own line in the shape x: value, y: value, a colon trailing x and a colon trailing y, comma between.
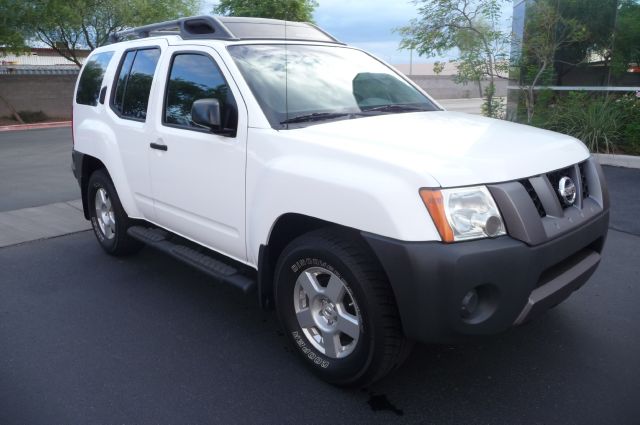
x: 410, y: 62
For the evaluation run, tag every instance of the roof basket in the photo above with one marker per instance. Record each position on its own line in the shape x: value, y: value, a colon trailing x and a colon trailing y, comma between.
x: 229, y: 28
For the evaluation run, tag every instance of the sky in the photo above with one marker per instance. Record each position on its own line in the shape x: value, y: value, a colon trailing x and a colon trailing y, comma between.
x: 369, y: 24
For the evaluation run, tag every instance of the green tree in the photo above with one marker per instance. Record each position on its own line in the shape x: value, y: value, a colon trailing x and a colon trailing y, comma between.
x: 626, y: 49
x: 472, y: 27
x: 290, y: 10
x: 598, y: 18
x: 9, y: 34
x: 546, y: 32
x: 438, y: 67
x: 68, y: 26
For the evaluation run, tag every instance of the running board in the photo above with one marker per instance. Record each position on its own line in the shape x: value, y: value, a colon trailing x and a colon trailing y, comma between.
x: 161, y: 240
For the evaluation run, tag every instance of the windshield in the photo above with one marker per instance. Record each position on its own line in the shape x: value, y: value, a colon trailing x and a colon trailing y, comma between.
x: 303, y: 84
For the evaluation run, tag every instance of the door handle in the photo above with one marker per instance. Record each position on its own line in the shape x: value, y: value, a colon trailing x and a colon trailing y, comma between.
x: 158, y: 146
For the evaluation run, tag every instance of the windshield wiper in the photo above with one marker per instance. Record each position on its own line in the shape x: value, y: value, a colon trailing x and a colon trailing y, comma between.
x: 394, y: 108
x: 316, y: 116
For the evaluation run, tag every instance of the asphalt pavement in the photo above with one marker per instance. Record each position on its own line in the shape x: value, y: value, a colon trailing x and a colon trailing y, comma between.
x: 624, y: 188
x: 35, y: 168
x: 87, y: 338
x: 39, y: 197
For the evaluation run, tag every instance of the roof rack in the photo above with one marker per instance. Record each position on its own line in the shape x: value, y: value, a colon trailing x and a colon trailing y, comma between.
x: 229, y: 28
x: 188, y: 28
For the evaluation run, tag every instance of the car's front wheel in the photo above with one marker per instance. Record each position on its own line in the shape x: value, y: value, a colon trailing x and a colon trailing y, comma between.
x: 108, y: 218
x: 338, y: 310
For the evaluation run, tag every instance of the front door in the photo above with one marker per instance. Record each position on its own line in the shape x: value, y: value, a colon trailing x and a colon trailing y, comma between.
x: 197, y: 176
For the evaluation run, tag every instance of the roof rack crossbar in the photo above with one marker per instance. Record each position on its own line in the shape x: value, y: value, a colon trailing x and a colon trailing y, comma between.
x: 214, y: 27
x: 189, y: 28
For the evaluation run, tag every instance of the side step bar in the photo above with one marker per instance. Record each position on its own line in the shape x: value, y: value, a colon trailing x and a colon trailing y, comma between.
x: 160, y: 240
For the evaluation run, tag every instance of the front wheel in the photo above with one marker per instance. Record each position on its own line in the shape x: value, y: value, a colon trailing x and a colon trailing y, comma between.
x: 108, y: 218
x: 337, y: 308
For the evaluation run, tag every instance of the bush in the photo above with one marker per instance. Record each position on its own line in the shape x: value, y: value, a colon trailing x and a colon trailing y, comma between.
x: 32, y: 116
x: 607, y: 123
x: 629, y: 107
x: 596, y: 120
x: 493, y: 108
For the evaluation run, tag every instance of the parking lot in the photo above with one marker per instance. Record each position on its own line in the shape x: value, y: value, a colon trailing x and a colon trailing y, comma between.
x: 88, y: 338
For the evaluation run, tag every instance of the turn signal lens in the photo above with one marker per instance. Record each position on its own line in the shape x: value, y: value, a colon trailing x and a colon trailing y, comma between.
x: 435, y: 205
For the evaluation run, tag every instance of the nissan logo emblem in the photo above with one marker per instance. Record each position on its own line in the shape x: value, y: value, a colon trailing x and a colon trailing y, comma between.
x: 567, y: 190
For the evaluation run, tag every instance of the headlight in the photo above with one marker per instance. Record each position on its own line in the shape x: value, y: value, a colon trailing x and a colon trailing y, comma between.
x: 464, y: 213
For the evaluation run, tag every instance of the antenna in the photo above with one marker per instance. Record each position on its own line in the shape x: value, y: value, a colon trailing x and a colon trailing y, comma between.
x: 286, y: 67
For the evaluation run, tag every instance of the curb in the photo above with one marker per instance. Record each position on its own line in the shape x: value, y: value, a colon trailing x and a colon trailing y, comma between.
x: 16, y: 127
x: 627, y: 161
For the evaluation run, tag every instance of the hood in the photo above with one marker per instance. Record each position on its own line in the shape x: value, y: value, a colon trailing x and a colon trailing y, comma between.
x: 455, y: 149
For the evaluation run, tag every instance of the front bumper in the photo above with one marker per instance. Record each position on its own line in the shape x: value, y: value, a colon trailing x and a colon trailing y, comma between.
x: 77, y: 167
x: 514, y: 282
x: 449, y: 292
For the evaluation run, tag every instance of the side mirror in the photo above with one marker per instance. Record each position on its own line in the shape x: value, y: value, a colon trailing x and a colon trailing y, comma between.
x: 206, y: 112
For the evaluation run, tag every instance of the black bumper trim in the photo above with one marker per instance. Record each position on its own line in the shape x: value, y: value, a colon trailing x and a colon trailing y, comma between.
x: 76, y: 165
x: 430, y: 279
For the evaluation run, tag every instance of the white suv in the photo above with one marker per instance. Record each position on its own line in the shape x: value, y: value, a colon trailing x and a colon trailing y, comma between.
x: 279, y: 160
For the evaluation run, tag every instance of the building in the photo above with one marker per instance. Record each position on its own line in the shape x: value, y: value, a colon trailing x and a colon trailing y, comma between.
x: 38, y: 61
x: 607, y: 61
x: 37, y: 81
x: 443, y: 85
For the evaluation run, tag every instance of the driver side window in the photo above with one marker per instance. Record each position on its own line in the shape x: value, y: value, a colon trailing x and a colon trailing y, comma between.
x: 194, y: 76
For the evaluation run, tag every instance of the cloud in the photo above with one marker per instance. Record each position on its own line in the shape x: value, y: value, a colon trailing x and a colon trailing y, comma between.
x: 369, y: 25
x: 358, y: 20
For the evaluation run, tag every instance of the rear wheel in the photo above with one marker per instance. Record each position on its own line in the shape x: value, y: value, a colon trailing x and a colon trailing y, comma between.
x: 108, y: 218
x: 338, y: 310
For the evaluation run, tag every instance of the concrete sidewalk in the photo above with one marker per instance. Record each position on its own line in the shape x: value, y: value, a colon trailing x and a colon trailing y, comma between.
x: 48, y: 221
x: 37, y: 126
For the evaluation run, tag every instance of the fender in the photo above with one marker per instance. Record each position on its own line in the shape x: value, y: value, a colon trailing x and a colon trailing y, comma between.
x: 355, y: 191
x: 99, y: 140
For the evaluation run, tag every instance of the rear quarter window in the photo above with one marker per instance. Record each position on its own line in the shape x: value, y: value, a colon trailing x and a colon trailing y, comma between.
x: 91, y: 79
x: 133, y: 83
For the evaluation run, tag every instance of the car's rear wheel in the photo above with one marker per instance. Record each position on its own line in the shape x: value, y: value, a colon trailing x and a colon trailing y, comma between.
x: 337, y: 308
x: 108, y: 218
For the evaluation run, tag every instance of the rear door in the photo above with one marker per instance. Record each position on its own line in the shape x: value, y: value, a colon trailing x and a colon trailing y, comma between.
x: 131, y: 94
x: 198, y: 177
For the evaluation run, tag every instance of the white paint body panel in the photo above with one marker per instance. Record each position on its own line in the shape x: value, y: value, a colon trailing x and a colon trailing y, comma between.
x: 365, y: 173
x: 198, y: 183
x: 454, y: 148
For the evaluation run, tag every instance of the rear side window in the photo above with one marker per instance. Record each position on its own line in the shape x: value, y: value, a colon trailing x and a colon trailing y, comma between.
x: 91, y: 79
x: 133, y: 83
x: 194, y: 76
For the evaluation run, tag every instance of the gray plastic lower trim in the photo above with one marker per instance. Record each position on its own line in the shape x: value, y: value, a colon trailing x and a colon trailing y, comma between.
x: 559, y: 288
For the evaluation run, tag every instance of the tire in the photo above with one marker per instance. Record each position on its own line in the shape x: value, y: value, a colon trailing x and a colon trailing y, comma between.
x: 108, y: 218
x: 338, y: 310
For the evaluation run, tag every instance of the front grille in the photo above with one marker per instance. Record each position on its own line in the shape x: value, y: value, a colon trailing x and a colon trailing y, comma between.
x: 554, y: 178
x: 583, y: 180
x: 534, y: 197
x: 520, y: 200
